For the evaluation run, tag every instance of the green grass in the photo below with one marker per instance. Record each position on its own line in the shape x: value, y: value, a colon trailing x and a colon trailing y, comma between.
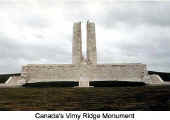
x: 100, y: 98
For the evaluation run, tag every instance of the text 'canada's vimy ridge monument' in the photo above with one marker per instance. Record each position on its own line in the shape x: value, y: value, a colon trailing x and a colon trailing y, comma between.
x: 83, y: 69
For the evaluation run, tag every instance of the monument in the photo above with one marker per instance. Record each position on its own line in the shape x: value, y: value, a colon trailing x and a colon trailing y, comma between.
x: 84, y: 69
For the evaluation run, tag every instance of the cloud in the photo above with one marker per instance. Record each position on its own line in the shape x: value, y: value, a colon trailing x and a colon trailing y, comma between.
x: 40, y: 31
x: 135, y: 13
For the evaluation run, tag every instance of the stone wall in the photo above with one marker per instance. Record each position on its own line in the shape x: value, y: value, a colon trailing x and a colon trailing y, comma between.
x: 121, y: 72
x: 45, y: 73
x: 85, y: 72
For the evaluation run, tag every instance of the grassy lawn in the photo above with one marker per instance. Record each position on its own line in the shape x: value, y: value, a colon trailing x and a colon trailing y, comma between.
x: 97, y: 98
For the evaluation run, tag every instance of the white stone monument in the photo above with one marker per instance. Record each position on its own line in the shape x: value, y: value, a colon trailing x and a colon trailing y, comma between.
x: 84, y: 70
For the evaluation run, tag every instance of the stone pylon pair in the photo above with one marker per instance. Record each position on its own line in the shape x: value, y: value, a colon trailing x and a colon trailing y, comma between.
x: 77, y: 57
x: 85, y: 63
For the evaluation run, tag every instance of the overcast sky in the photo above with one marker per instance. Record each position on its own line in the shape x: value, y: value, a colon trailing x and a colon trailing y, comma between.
x: 40, y: 31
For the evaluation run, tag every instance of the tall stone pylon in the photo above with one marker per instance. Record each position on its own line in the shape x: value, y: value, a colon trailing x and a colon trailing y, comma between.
x: 77, y: 44
x: 91, y: 43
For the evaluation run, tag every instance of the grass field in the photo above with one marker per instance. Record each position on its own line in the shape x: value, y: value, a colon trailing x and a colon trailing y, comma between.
x: 99, y: 98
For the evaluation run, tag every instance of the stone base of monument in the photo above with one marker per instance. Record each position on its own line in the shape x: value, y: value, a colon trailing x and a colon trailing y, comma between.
x: 83, y: 83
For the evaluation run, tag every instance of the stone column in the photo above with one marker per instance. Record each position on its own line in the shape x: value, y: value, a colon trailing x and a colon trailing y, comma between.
x: 76, y: 44
x: 91, y: 43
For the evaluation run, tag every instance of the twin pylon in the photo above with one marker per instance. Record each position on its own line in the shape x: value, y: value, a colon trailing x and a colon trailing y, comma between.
x: 77, y: 57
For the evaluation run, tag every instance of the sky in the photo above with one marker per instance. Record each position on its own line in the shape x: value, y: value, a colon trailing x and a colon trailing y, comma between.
x: 41, y: 32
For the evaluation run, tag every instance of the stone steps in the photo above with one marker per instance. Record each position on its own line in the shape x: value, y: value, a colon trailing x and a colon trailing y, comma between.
x: 15, y: 81
x: 155, y: 79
